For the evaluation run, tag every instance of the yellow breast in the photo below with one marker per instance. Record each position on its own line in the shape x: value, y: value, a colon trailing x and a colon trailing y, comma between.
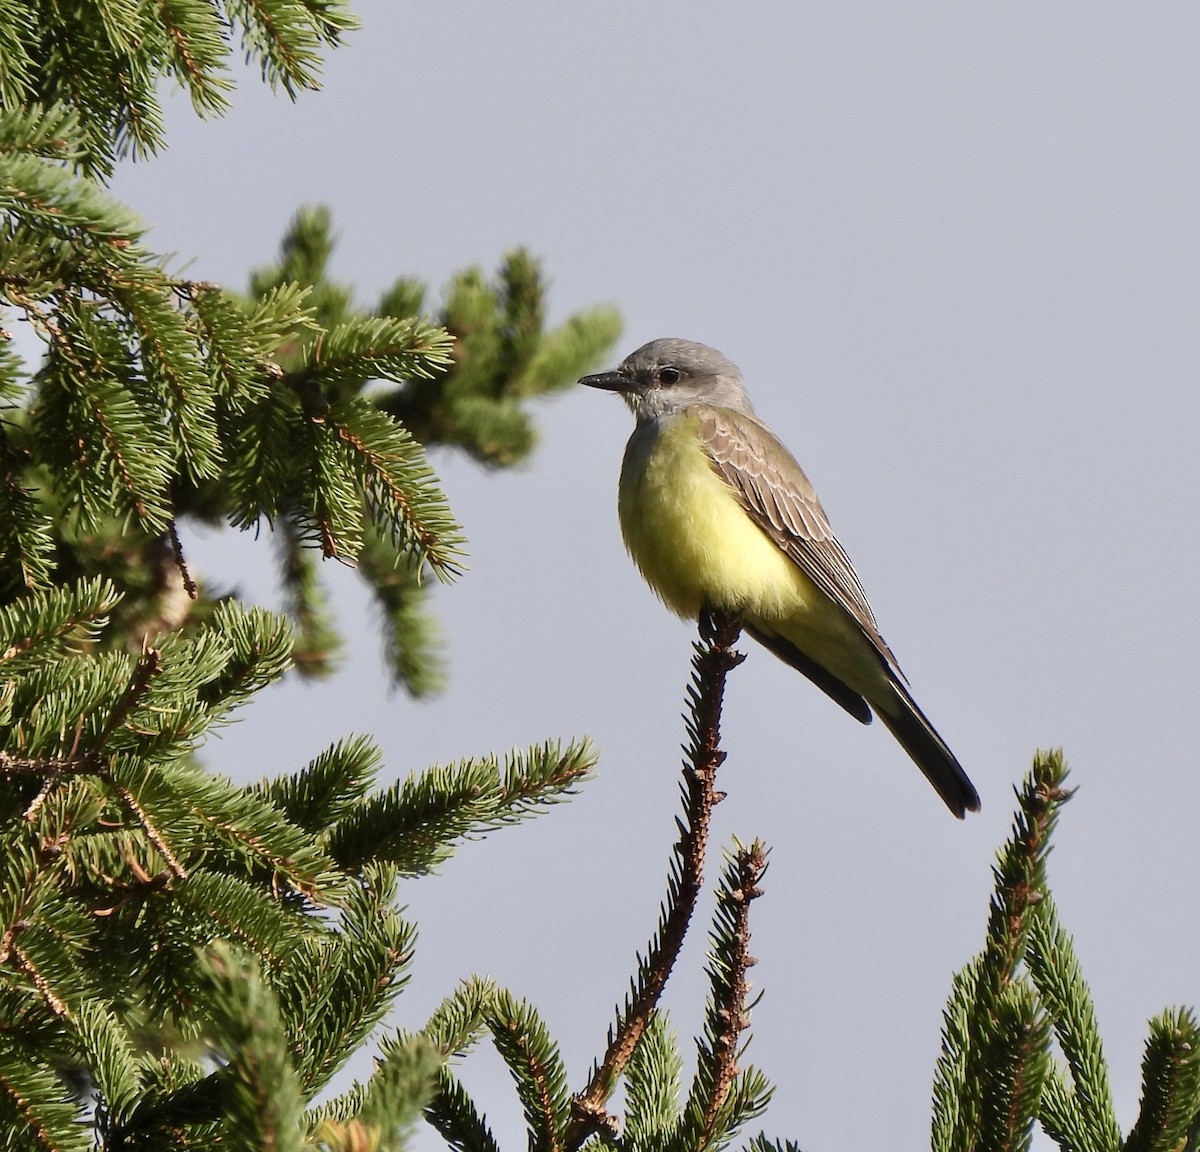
x: 691, y: 538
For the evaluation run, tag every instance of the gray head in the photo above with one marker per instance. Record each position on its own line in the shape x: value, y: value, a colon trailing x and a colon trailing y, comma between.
x: 667, y: 376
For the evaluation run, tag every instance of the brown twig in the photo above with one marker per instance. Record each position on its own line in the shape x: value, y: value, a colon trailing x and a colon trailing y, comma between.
x: 35, y: 974
x: 148, y: 666
x: 91, y: 760
x: 712, y: 661
x: 11, y: 765
x: 189, y: 584
x: 537, y: 1070
x: 54, y: 769
x: 151, y: 829
x: 734, y: 1015
x: 174, y: 589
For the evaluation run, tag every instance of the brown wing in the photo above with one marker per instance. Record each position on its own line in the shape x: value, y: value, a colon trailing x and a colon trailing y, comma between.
x: 782, y: 502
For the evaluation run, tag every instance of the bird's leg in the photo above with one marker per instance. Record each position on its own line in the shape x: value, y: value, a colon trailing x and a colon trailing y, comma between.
x: 718, y: 627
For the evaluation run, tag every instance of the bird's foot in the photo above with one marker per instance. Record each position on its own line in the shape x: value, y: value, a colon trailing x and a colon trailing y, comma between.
x: 719, y: 628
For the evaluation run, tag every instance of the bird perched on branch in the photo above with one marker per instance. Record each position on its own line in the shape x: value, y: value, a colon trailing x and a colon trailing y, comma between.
x: 718, y: 516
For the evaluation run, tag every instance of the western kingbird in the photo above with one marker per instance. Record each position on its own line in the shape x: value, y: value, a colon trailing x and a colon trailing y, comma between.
x: 717, y: 514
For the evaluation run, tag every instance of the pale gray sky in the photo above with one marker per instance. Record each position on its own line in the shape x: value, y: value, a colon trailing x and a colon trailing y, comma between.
x: 954, y: 250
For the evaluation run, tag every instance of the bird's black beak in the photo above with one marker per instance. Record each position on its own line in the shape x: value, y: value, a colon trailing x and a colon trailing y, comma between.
x: 609, y: 381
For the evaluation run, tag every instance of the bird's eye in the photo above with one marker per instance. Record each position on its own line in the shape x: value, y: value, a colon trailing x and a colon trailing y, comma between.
x: 668, y: 375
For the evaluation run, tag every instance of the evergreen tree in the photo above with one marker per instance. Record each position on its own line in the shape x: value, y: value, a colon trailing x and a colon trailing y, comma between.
x: 1020, y: 1041
x: 185, y: 962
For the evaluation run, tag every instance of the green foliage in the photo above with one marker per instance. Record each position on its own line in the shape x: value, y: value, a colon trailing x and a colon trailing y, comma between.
x: 109, y: 60
x: 476, y: 402
x: 186, y: 962
x: 159, y: 398
x: 415, y: 824
x: 659, y: 1115
x: 1170, y: 1109
x: 532, y: 1057
x: 1020, y: 1043
x: 654, y: 1085
x: 162, y: 400
x: 260, y: 1090
x: 125, y: 866
x: 385, y: 1108
x: 501, y: 357
x: 1085, y: 1118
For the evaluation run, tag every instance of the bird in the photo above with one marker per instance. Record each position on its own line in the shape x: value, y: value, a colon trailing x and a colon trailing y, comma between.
x: 718, y: 516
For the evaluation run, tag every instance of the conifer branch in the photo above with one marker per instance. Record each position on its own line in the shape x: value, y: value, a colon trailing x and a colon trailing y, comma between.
x: 995, y: 1038
x: 25, y: 964
x: 653, y: 1085
x: 713, y: 659
x: 1016, y: 1067
x: 349, y: 981
x: 289, y: 864
x: 152, y: 833
x: 53, y: 775
x: 327, y: 788
x: 411, y: 633
x: 1055, y: 971
x: 37, y: 765
x: 453, y: 1115
x: 458, y: 1022
x: 261, y: 1089
x: 161, y: 402
x: 91, y: 760
x: 198, y: 53
x: 36, y: 628
x: 149, y: 665
x: 32, y: 1104
x: 415, y: 823
x: 177, y: 549
x: 1170, y: 1084
x: 400, y: 1087
x: 533, y: 1060
x: 316, y: 644
x: 25, y: 531
x: 949, y: 1103
x: 1020, y: 871
x: 731, y: 1006
x: 1060, y: 1118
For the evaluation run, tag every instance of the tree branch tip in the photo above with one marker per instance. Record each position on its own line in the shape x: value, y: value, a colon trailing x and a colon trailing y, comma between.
x: 189, y: 585
x: 588, y: 1116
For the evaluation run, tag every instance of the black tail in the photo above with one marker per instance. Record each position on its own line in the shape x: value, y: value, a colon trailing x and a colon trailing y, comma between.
x: 929, y: 752
x: 907, y: 723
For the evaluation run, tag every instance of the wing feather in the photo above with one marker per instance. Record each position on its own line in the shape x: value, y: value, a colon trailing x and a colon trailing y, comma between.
x: 779, y: 498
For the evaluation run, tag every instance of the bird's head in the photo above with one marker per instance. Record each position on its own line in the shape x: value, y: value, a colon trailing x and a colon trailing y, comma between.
x: 668, y: 376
